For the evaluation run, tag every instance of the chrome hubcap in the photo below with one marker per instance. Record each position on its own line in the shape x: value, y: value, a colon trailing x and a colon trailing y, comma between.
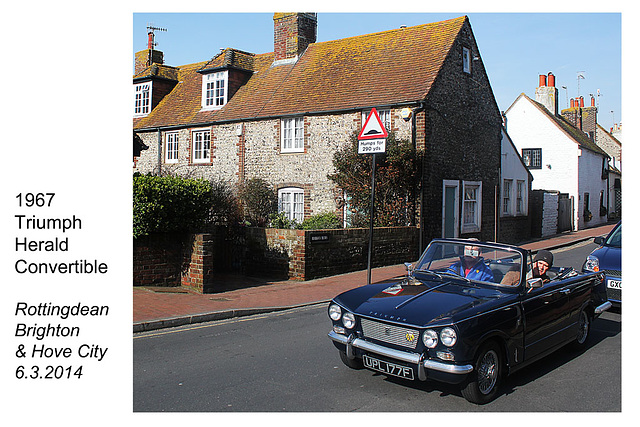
x: 488, y: 372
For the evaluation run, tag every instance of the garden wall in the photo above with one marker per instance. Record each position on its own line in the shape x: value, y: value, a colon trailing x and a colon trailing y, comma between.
x: 192, y: 261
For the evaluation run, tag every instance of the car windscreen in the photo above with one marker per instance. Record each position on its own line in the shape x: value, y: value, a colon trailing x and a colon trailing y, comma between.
x: 615, y: 238
x: 473, y: 261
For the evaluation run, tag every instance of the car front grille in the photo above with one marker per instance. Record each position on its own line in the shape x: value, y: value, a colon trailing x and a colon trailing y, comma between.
x: 391, y: 334
x: 613, y: 273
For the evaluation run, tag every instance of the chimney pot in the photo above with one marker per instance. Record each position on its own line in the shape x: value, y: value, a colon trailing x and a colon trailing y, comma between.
x: 593, y: 101
x: 551, y: 80
x: 581, y: 101
x: 543, y: 80
x: 573, y: 103
x: 150, y: 43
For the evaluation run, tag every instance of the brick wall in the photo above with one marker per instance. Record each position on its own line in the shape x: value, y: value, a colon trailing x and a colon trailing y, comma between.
x: 193, y: 261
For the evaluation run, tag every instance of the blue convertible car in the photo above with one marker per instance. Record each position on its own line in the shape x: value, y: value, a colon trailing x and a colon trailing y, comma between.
x: 468, y: 313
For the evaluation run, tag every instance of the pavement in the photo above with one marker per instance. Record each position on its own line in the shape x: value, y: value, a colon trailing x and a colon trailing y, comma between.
x: 162, y: 307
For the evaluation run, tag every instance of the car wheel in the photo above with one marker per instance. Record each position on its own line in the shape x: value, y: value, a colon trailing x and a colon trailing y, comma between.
x: 352, y: 363
x: 483, y: 383
x: 584, y: 327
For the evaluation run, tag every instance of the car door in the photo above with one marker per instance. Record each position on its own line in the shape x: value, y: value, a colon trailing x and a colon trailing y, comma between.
x: 546, y: 318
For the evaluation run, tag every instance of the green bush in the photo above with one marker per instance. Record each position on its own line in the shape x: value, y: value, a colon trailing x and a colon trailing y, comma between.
x: 170, y: 204
x: 322, y: 221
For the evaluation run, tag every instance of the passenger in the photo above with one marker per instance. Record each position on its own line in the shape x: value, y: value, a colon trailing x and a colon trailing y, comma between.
x: 541, y: 264
x: 472, y: 266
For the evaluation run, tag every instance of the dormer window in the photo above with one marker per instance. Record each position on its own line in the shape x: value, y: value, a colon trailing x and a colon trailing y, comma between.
x: 142, y: 99
x: 214, y: 90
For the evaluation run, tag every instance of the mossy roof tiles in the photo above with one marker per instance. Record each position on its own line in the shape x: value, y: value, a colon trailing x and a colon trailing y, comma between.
x: 385, y: 68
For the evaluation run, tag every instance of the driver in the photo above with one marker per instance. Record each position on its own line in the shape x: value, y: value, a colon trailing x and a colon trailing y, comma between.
x: 472, y: 266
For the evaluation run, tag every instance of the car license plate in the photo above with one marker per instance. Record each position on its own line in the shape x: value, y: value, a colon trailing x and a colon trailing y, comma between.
x: 614, y: 284
x: 388, y: 368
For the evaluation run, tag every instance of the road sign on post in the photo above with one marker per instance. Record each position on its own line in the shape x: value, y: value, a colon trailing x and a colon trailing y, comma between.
x: 372, y: 140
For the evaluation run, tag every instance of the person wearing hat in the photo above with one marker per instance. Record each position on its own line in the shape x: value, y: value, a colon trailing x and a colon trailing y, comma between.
x: 541, y: 264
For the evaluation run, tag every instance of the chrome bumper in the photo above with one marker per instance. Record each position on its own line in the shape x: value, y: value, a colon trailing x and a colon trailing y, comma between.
x: 412, y: 358
x: 601, y: 308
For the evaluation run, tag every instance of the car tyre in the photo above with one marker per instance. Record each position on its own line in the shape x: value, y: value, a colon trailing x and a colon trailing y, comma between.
x: 483, y: 383
x: 351, y: 363
x: 584, y: 328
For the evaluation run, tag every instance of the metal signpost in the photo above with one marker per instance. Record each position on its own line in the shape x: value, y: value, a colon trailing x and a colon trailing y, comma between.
x: 372, y: 140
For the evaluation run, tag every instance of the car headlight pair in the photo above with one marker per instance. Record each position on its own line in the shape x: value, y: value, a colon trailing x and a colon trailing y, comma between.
x: 348, y: 319
x: 592, y: 264
x: 448, y: 337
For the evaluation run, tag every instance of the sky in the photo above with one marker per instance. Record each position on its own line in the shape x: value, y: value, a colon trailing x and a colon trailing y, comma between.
x: 515, y: 47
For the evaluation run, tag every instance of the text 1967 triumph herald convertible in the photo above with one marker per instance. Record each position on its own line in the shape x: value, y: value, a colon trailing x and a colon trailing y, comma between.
x: 468, y: 313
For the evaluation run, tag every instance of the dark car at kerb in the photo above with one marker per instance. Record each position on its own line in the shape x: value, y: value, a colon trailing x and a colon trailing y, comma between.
x: 607, y: 258
x: 437, y: 325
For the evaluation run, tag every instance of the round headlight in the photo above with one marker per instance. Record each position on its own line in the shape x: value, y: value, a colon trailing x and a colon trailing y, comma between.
x: 592, y: 264
x: 448, y: 337
x: 430, y: 338
x: 335, y: 312
x: 349, y: 320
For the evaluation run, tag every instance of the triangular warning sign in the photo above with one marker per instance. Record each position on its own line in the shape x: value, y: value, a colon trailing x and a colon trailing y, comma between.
x: 373, y: 127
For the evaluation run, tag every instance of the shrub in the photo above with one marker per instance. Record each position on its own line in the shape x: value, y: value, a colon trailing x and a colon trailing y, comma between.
x: 397, y: 178
x: 260, y: 201
x: 170, y: 204
x: 322, y: 221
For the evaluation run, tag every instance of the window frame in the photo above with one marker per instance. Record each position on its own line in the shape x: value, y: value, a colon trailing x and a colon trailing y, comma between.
x: 292, y: 208
x: 211, y: 97
x: 532, y: 158
x: 507, y: 188
x: 292, y: 135
x: 144, y: 108
x: 475, y: 224
x: 383, y: 113
x: 195, y: 149
x: 520, y: 197
x: 172, y: 147
x: 466, y: 60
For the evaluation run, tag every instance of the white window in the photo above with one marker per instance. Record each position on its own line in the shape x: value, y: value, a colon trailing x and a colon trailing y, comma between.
x: 201, y: 146
x: 142, y: 99
x: 171, y: 154
x: 292, y: 135
x: 472, y: 208
x: 506, y: 196
x: 520, y: 198
x: 385, y: 117
x: 214, y: 90
x: 291, y: 202
x: 466, y: 60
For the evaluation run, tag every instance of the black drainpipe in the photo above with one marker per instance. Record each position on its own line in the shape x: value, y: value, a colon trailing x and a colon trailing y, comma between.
x: 420, y: 108
x: 159, y: 152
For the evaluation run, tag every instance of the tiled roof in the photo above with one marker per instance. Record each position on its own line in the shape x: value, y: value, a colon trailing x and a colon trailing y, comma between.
x: 576, y: 134
x: 158, y: 70
x: 387, y: 68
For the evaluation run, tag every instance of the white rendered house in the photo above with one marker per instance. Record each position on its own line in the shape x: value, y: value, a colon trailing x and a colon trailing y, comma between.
x: 560, y: 152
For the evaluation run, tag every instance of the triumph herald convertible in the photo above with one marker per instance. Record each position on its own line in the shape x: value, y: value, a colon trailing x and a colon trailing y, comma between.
x: 467, y: 313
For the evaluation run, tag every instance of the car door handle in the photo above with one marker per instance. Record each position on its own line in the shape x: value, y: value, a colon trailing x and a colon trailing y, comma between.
x: 566, y: 291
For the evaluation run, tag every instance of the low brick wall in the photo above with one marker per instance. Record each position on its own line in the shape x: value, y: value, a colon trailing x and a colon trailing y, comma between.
x: 193, y: 261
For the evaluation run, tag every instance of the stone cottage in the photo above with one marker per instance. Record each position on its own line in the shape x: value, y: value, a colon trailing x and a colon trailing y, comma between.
x: 281, y: 115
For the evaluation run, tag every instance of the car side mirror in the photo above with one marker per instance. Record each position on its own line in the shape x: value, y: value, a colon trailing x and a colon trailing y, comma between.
x: 534, y: 283
x: 598, y: 240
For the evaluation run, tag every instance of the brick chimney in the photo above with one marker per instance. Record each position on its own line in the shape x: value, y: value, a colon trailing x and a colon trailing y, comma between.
x: 581, y: 117
x: 292, y: 33
x: 547, y: 93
